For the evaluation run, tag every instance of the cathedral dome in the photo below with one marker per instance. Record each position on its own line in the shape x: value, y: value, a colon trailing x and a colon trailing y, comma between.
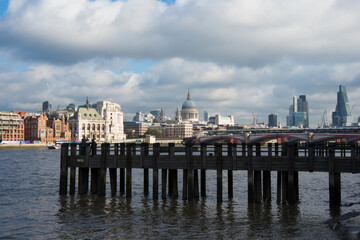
x: 188, y: 103
x: 189, y: 112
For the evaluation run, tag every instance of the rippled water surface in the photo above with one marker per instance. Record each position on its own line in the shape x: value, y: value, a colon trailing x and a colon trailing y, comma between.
x: 30, y: 207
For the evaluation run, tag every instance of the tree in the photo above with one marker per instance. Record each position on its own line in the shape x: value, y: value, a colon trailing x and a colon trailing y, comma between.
x: 156, y: 133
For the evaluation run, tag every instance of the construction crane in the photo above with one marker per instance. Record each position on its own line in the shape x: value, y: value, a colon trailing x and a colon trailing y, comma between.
x: 255, y: 119
x: 324, y: 121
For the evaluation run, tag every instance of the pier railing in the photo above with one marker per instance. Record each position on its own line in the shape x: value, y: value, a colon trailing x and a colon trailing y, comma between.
x: 259, y: 161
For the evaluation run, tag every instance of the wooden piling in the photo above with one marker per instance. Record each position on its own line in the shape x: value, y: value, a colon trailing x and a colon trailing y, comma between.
x: 190, y: 172
x: 72, y: 168
x: 203, y: 169
x: 267, y: 176
x: 163, y: 183
x: 291, y: 192
x: 156, y: 152
x: 95, y: 172
x: 173, y: 184
x: 113, y: 170
x: 218, y: 156
x: 278, y: 182
x: 334, y: 179
x: 122, y: 170
x: 230, y: 172
x: 83, y: 177
x: 353, y: 157
x: 196, y: 184
x: 102, y: 177
x: 250, y: 174
x: 257, y: 177
x: 144, y: 153
x: 63, y: 169
x: 185, y: 185
x: 284, y: 176
x: 129, y: 152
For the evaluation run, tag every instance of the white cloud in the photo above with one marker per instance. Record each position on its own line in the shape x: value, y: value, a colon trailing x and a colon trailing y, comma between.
x: 250, y: 33
x: 236, y: 56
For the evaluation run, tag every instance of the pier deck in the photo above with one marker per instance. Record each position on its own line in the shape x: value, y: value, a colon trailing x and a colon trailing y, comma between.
x: 285, y: 159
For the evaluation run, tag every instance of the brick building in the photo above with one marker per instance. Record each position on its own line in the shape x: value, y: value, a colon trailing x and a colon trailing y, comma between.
x: 36, y: 128
x: 11, y: 127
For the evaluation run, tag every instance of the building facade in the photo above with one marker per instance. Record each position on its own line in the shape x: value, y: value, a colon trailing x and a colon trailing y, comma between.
x: 341, y: 115
x: 36, y: 129
x: 183, y: 130
x: 135, y: 129
x: 11, y: 127
x: 224, y: 120
x: 298, y: 113
x: 102, y: 122
x: 272, y: 120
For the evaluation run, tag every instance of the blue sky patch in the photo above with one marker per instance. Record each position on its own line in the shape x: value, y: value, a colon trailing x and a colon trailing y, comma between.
x: 3, y: 6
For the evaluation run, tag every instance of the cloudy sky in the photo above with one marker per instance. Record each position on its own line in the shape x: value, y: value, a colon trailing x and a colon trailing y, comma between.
x: 236, y: 56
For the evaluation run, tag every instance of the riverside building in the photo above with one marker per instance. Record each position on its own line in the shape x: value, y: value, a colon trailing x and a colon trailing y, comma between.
x: 102, y: 121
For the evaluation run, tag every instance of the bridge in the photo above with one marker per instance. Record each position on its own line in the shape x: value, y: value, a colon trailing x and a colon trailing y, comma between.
x: 280, y: 137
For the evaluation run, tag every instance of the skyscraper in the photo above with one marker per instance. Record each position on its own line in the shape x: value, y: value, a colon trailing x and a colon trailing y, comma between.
x: 272, y: 120
x: 206, y: 116
x: 340, y: 117
x: 298, y: 112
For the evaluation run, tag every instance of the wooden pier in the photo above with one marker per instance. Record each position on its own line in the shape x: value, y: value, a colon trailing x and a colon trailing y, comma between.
x: 286, y: 160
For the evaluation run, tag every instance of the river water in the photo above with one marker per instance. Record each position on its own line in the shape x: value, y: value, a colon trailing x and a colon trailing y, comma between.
x: 31, y: 208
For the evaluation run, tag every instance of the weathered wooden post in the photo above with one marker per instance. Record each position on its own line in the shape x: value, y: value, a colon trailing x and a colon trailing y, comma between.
x: 196, y: 184
x: 278, y: 183
x: 190, y: 172
x: 83, y: 180
x: 156, y: 152
x: 218, y: 157
x: 250, y: 174
x: 291, y: 196
x: 113, y: 170
x: 334, y: 179
x: 267, y: 176
x: 230, y: 153
x: 63, y: 169
x: 353, y: 157
x: 173, y: 185
x: 94, y: 171
x: 72, y: 168
x: 284, y: 176
x: 145, y: 153
x: 122, y: 170
x: 163, y: 183
x: 296, y: 173
x: 102, y: 177
x: 129, y: 152
x: 257, y: 177
x: 203, y: 170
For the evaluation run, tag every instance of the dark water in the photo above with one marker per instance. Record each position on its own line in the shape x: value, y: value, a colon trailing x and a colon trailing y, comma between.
x: 30, y: 208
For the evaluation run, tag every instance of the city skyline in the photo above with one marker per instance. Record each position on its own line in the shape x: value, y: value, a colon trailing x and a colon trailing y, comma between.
x: 237, y: 57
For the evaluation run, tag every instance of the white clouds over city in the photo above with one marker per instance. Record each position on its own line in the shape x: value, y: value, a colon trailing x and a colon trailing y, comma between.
x: 236, y: 56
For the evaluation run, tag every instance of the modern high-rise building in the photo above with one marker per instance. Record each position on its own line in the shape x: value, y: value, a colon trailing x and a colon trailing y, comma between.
x: 298, y: 113
x: 272, y: 120
x: 206, y: 116
x: 46, y: 107
x: 340, y: 117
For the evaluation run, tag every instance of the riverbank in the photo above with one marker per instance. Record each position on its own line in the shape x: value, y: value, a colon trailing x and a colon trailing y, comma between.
x: 22, y: 146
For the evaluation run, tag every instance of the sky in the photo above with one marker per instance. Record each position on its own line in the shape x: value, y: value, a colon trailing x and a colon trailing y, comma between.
x: 236, y: 56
